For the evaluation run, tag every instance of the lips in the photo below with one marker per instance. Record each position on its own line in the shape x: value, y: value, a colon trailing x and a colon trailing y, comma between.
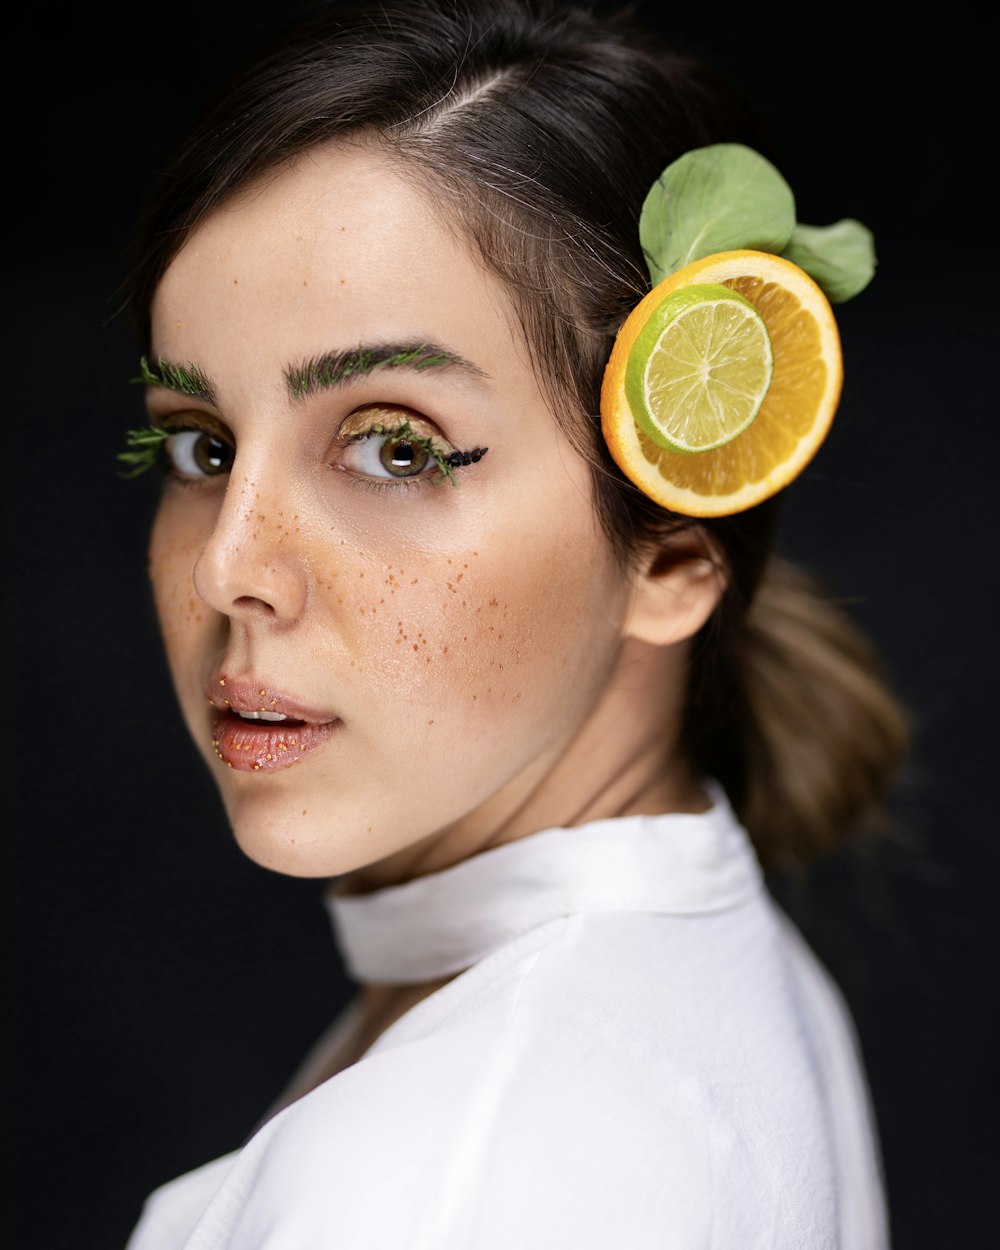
x: 259, y: 730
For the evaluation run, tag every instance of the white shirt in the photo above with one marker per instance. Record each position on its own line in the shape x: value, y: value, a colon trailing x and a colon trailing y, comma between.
x: 639, y: 1052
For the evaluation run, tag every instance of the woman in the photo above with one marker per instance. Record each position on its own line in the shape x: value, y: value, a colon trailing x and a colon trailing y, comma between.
x: 528, y: 722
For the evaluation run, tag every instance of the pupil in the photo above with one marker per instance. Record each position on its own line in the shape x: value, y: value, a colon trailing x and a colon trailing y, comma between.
x: 212, y: 455
x: 403, y: 458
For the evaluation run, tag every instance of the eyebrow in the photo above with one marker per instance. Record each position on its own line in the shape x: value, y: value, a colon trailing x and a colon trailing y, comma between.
x: 184, y: 379
x: 339, y: 367
x: 323, y: 372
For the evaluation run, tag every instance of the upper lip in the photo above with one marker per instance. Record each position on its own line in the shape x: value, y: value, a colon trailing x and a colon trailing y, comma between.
x: 248, y: 694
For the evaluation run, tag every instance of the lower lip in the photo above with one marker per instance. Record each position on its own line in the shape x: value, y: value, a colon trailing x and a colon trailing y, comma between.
x: 261, y: 746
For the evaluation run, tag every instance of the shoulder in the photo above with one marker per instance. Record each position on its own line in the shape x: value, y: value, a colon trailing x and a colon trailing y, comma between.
x: 576, y: 1092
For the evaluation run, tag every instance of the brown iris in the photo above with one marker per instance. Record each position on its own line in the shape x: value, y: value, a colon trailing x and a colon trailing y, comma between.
x: 403, y: 456
x: 212, y: 455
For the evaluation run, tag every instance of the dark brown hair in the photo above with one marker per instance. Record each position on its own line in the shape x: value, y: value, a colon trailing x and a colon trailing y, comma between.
x: 539, y: 128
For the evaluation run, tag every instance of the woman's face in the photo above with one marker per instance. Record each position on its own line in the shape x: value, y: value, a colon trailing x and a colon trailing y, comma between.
x: 434, y: 649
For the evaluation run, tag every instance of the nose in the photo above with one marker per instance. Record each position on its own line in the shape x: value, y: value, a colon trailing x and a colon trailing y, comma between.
x: 252, y: 565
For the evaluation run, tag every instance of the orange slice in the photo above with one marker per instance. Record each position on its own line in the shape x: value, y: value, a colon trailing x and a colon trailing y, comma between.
x: 793, y: 419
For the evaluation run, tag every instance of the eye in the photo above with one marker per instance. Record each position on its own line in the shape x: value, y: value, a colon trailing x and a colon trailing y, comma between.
x: 392, y: 454
x: 384, y: 444
x: 198, y: 454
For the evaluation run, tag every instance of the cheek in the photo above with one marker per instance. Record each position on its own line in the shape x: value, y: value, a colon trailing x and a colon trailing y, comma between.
x: 173, y: 551
x: 470, y: 641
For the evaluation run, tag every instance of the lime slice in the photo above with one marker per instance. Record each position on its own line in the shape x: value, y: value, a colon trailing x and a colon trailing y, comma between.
x: 699, y: 369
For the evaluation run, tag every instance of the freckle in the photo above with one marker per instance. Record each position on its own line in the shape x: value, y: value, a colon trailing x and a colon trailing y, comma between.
x: 381, y: 601
x: 465, y: 566
x: 305, y: 281
x: 430, y: 722
x: 413, y: 581
x: 416, y: 646
x: 343, y: 282
x: 361, y: 574
x: 459, y: 577
x: 444, y: 649
x: 236, y: 282
x: 178, y: 324
x: 304, y: 811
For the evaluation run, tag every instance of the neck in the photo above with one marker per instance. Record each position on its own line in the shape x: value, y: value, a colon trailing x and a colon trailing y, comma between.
x: 624, y: 760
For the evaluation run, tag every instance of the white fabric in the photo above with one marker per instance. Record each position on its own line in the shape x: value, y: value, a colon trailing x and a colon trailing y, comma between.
x: 641, y: 1053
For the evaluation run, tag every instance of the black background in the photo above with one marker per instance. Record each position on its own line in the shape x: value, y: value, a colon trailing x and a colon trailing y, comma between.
x: 167, y: 986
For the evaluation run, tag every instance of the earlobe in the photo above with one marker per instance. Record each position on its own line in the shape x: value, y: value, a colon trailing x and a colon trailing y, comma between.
x: 675, y: 592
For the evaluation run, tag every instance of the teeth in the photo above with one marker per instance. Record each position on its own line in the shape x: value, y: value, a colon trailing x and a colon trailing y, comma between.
x: 262, y: 716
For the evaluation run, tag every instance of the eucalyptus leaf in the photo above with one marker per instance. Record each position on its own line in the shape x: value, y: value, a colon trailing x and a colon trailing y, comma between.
x: 840, y: 258
x: 713, y: 199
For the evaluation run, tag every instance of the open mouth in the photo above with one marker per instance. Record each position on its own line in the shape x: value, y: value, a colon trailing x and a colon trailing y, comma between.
x: 261, y: 741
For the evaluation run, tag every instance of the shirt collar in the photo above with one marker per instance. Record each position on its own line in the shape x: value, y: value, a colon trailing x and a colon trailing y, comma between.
x: 444, y: 922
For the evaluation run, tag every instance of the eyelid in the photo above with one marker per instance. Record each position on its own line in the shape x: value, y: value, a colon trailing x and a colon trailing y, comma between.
x: 391, y: 417
x: 191, y: 419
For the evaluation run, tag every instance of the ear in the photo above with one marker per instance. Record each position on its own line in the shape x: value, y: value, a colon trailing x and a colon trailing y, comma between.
x: 676, y: 588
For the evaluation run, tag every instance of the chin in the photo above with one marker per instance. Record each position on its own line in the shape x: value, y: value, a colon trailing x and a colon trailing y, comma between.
x: 288, y: 836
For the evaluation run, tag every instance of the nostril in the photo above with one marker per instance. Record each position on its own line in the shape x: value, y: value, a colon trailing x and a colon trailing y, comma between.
x: 253, y: 603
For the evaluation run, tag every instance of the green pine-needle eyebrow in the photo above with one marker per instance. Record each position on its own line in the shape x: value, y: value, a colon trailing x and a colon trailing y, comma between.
x: 335, y: 368
x: 186, y: 379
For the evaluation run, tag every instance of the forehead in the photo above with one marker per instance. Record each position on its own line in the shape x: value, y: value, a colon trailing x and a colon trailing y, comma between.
x: 344, y: 245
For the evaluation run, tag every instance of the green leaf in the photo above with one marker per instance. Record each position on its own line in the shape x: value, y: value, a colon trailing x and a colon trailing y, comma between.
x: 840, y: 258
x: 713, y: 199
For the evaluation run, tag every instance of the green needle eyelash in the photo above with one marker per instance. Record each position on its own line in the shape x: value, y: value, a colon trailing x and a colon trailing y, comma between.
x: 447, y: 463
x: 144, y: 448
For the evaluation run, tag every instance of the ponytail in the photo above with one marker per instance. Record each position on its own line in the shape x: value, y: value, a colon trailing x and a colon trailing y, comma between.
x: 802, y: 730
